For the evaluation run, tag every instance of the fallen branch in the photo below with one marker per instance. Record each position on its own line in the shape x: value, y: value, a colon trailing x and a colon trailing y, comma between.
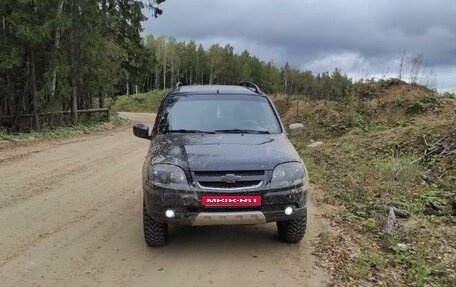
x: 438, y: 210
x: 440, y: 148
x: 397, y: 211
x: 400, y: 212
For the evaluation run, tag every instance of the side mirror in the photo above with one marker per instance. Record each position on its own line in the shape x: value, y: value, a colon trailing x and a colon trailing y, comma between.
x: 296, y: 129
x: 141, y: 131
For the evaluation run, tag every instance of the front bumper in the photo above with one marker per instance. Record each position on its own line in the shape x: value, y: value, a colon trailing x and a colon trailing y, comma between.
x: 189, y: 210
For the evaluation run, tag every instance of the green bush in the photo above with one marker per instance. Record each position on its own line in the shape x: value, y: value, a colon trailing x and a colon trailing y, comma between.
x: 423, y: 105
x: 149, y: 102
x: 449, y: 95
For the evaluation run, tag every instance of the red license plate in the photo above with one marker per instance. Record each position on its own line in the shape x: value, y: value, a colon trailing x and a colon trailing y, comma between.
x: 231, y: 200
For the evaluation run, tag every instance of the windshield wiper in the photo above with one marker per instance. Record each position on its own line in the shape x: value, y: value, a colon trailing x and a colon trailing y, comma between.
x: 241, y: 131
x: 190, y: 131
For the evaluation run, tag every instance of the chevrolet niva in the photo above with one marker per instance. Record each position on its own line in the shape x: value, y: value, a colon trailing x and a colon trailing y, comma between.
x: 220, y: 155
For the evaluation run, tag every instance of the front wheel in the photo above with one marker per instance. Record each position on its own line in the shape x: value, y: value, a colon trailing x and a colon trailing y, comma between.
x: 292, y: 231
x: 155, y: 234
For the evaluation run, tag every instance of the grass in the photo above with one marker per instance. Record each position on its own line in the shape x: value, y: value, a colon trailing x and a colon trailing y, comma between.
x: 85, y: 127
x: 148, y: 102
x: 421, y: 105
x: 357, y: 173
x: 364, y: 265
x: 401, y: 169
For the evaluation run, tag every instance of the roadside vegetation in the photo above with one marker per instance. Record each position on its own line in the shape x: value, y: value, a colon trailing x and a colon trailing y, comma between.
x: 385, y: 174
x: 148, y: 102
x: 82, y: 128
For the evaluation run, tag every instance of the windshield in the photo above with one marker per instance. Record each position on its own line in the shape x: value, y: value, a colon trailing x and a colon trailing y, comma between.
x: 219, y: 114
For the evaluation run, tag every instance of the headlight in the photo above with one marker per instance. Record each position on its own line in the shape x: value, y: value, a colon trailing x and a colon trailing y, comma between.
x: 168, y: 176
x: 288, y: 174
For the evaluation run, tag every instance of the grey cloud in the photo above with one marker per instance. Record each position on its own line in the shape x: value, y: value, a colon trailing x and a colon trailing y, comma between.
x: 317, y: 35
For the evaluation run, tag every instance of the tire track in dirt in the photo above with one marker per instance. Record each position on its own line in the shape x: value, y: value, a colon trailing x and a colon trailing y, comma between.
x: 34, y: 181
x: 81, y: 226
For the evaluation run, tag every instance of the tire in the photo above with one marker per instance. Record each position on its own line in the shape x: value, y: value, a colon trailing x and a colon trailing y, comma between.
x: 155, y: 234
x: 292, y: 231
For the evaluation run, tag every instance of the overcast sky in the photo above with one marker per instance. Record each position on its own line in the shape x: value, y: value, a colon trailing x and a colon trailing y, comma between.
x: 362, y: 37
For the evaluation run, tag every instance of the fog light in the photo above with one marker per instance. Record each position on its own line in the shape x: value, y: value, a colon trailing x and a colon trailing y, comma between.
x: 289, y: 210
x: 170, y: 213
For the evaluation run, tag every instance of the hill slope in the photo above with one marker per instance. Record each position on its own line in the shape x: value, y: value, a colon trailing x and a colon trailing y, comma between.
x: 393, y: 148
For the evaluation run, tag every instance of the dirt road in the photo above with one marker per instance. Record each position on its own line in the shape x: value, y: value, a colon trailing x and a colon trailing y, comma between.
x: 70, y: 215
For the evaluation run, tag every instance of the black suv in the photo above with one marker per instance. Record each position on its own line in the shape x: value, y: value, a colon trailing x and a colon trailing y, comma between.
x: 220, y: 155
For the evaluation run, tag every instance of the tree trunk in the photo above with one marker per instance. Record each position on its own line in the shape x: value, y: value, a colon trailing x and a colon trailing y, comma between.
x: 156, y: 78
x: 210, y: 77
x: 20, y: 98
x: 36, y: 119
x: 145, y: 83
x: 74, y: 76
x: 173, y: 80
x: 4, y: 110
x: 103, y: 98
x: 164, y: 75
x: 56, y: 46
x: 128, y: 84
x: 196, y: 73
x: 74, y: 102
x: 164, y: 68
x: 178, y: 73
x: 19, y: 101
x: 196, y: 70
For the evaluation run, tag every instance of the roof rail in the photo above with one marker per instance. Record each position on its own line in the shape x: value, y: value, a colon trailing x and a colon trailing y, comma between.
x: 252, y: 87
x: 176, y: 88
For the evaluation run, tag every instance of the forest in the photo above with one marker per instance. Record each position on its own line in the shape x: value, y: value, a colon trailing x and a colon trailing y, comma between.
x: 61, y: 55
x: 190, y: 63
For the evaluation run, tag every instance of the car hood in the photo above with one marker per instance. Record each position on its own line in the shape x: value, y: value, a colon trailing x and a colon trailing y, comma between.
x: 224, y: 152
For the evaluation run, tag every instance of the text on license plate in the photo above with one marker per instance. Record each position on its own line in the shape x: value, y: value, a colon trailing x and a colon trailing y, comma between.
x: 231, y: 200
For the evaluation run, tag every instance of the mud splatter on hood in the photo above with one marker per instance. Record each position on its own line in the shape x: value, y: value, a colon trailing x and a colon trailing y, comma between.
x: 222, y: 151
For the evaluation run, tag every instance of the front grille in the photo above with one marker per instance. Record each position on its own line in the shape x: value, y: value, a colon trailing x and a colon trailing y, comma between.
x: 230, y: 180
x: 224, y: 185
x: 223, y: 173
